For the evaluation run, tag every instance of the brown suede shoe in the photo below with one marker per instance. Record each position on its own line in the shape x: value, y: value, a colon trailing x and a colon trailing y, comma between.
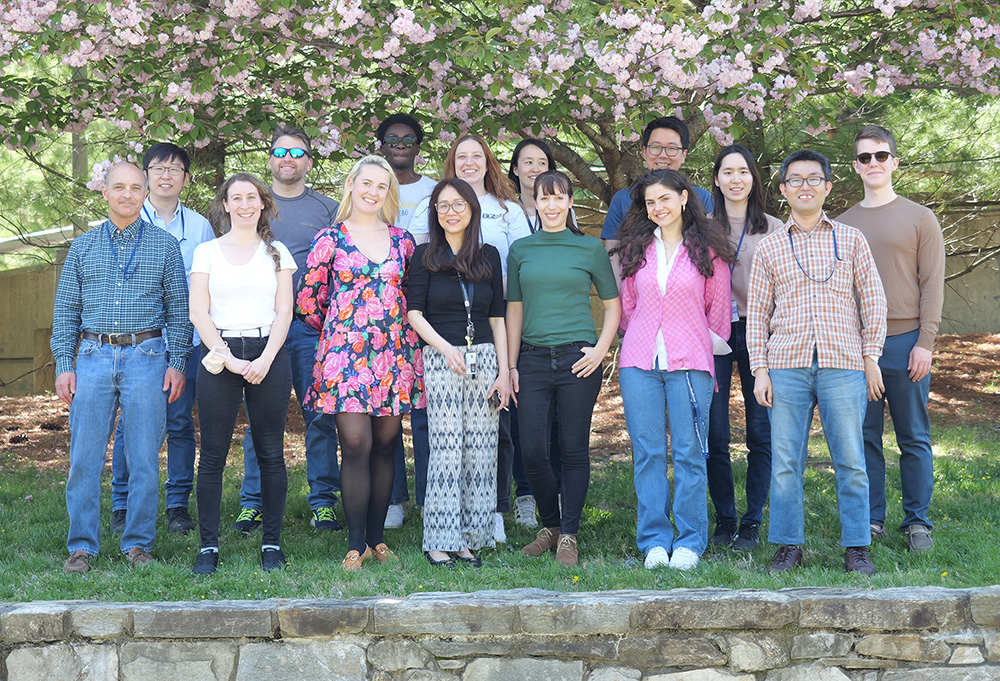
x: 856, y: 559
x: 785, y: 558
x: 353, y: 560
x: 383, y: 554
x: 546, y: 540
x: 77, y: 563
x: 138, y: 556
x: 918, y: 537
x: 567, y: 553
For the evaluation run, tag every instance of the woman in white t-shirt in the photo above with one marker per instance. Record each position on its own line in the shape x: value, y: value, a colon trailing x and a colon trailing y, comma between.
x: 241, y: 304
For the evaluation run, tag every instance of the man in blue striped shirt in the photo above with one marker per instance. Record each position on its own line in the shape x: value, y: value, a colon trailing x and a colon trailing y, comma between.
x: 121, y: 287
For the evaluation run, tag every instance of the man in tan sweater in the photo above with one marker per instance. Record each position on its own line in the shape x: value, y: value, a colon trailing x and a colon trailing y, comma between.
x: 906, y: 241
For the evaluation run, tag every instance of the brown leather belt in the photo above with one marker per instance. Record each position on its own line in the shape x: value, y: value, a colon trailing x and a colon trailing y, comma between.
x: 122, y: 338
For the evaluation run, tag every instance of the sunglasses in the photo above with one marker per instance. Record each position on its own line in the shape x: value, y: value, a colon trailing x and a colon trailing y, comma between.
x: 880, y: 156
x: 405, y: 142
x: 294, y: 152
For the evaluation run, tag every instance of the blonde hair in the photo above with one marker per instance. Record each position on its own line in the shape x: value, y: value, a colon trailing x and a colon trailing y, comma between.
x: 389, y: 210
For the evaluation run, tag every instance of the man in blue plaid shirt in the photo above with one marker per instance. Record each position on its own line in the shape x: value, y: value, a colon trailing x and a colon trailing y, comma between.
x: 121, y: 290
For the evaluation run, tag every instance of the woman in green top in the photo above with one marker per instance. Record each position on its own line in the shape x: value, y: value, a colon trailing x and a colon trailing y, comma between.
x: 556, y: 356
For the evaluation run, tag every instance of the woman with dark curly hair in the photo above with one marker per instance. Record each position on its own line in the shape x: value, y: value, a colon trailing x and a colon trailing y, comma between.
x: 675, y: 304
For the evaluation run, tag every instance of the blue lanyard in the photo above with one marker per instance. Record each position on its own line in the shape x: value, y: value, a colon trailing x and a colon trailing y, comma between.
x: 180, y: 211
x: 836, y: 256
x: 738, y: 247
x: 126, y: 275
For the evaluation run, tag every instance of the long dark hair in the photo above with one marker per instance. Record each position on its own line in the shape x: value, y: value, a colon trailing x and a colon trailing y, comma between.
x: 221, y: 222
x: 699, y: 235
x: 756, y: 220
x: 528, y: 142
x: 470, y: 262
x: 555, y: 182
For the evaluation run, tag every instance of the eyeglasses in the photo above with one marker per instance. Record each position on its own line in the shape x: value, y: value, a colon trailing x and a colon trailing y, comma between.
x: 294, y: 152
x: 457, y: 206
x: 656, y: 150
x: 172, y: 171
x: 797, y: 182
x: 406, y: 142
x: 880, y: 156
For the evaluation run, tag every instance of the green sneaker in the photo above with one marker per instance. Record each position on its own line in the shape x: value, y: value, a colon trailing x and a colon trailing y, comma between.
x: 248, y: 520
x: 323, y: 518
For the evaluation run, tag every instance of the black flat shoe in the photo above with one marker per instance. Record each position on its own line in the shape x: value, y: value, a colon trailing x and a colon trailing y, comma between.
x: 475, y: 561
x: 448, y: 562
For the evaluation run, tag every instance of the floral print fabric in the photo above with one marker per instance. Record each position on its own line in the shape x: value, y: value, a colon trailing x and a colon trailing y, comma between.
x: 367, y: 354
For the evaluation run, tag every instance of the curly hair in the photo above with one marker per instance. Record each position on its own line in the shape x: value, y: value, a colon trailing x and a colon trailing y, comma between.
x: 221, y: 222
x: 700, y: 235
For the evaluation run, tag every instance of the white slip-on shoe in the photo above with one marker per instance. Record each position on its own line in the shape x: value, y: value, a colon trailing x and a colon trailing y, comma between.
x: 684, y: 559
x: 657, y: 557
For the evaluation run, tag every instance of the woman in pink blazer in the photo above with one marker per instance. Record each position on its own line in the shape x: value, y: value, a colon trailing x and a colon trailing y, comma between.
x: 675, y: 303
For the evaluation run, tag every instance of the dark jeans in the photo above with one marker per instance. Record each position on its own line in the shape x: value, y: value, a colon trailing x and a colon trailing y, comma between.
x: 547, y: 383
x: 219, y: 399
x: 421, y: 454
x: 521, y: 485
x: 720, y: 471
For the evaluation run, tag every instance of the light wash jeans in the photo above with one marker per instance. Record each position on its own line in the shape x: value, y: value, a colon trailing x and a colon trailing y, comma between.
x: 649, y: 397
x: 842, y: 396
x: 109, y: 377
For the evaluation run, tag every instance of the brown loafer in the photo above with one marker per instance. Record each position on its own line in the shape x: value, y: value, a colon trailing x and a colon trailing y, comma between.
x: 546, y: 540
x: 918, y: 538
x: 383, y: 553
x: 352, y: 562
x: 785, y: 558
x: 138, y: 556
x: 856, y: 559
x: 77, y: 563
x: 567, y: 553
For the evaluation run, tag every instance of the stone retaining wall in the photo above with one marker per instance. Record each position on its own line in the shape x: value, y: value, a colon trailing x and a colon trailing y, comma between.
x: 912, y: 634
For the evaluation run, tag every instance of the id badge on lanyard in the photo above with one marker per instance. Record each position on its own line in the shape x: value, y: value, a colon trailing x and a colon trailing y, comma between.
x: 736, y: 312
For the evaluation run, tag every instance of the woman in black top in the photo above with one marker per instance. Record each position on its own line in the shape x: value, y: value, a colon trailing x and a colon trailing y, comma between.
x: 455, y: 304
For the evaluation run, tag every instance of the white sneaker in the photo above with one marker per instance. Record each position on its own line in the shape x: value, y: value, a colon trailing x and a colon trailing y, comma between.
x: 657, y: 557
x: 499, y: 534
x: 394, y: 517
x: 524, y: 511
x: 684, y: 559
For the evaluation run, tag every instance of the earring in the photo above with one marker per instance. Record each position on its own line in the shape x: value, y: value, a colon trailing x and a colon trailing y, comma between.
x: 684, y: 207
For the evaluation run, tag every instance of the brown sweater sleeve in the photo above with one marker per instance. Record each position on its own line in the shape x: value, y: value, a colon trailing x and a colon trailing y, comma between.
x: 930, y: 274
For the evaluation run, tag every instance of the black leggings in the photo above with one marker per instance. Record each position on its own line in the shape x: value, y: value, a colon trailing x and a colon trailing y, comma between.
x: 367, y: 448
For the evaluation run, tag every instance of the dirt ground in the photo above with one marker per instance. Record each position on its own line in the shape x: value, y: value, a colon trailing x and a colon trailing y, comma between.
x: 965, y: 389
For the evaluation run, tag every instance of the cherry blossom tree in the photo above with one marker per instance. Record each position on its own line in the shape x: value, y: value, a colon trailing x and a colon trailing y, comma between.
x: 214, y: 73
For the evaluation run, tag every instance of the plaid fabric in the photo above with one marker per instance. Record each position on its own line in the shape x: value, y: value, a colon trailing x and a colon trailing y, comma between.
x: 95, y: 295
x: 814, y: 290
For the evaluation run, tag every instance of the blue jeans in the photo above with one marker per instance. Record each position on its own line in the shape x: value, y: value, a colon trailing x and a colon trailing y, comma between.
x: 842, y: 395
x: 109, y: 377
x: 421, y: 454
x: 908, y: 406
x: 180, y: 448
x: 653, y: 399
x: 322, y: 470
x: 720, y: 470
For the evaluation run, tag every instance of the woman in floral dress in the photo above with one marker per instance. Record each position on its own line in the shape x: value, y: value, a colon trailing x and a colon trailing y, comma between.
x: 364, y: 376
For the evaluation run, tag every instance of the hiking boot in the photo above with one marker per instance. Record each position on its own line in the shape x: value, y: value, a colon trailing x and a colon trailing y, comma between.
x: 725, y: 533
x: 785, y: 558
x: 118, y: 521
x: 856, y: 559
x: 524, y: 511
x: 139, y: 557
x: 394, y: 517
x: 546, y: 540
x: 272, y: 559
x: 206, y: 562
x: 323, y: 518
x: 78, y: 562
x: 178, y: 520
x: 918, y: 538
x: 248, y: 520
x: 567, y: 553
x: 747, y: 538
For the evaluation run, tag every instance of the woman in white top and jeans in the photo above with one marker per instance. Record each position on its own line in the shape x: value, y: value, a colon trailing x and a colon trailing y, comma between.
x: 241, y: 304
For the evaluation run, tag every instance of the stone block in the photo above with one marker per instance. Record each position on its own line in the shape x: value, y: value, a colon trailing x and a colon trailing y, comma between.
x: 448, y: 648
x: 756, y: 653
x: 450, y: 616
x: 571, y: 647
x: 701, y: 675
x: 393, y: 654
x: 992, y: 640
x: 595, y: 614
x: 427, y: 675
x: 985, y: 606
x: 821, y: 644
x: 715, y: 609
x: 76, y: 661
x: 886, y: 610
x: 615, y: 674
x: 966, y: 655
x: 162, y: 661
x: 523, y: 669
x: 224, y: 619
x: 964, y: 639
x: 34, y: 622
x: 669, y: 651
x: 944, y: 674
x: 321, y: 618
x: 858, y: 663
x: 813, y: 672
x: 450, y: 664
x: 909, y: 647
x: 100, y: 621
x: 302, y: 661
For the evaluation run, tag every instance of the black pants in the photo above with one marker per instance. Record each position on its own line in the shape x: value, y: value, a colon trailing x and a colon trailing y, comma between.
x: 547, y: 382
x: 219, y: 399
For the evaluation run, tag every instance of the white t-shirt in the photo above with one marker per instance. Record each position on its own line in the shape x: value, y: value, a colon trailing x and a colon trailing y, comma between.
x: 241, y: 296
x: 410, y: 195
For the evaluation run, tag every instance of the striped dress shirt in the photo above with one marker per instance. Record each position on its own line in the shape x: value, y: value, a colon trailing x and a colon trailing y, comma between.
x: 816, y: 290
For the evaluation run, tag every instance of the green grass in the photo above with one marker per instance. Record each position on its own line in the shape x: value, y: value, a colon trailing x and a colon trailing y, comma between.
x: 33, y: 526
